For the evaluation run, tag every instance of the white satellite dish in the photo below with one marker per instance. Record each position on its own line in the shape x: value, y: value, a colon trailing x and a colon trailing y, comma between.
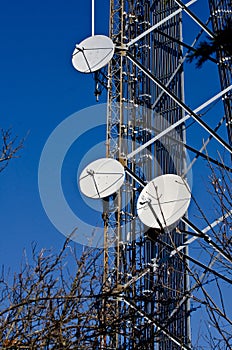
x: 163, y: 201
x: 101, y: 178
x: 93, y: 53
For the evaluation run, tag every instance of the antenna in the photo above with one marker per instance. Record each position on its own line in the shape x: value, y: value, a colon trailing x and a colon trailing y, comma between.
x: 161, y: 204
x: 94, y: 52
x: 163, y: 201
x: 101, y: 178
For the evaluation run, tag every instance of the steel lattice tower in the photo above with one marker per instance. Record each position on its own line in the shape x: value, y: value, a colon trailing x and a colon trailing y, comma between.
x: 220, y: 16
x: 146, y: 283
x: 149, y: 284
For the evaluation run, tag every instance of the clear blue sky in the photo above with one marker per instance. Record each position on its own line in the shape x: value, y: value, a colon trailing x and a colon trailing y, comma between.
x: 40, y: 88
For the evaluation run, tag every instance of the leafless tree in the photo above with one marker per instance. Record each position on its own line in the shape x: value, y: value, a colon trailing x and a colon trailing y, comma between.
x: 10, y: 147
x: 54, y: 303
x: 218, y: 304
x: 59, y: 301
x: 212, y: 284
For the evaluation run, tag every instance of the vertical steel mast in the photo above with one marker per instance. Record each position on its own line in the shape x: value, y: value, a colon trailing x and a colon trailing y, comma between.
x: 145, y: 284
x: 220, y: 18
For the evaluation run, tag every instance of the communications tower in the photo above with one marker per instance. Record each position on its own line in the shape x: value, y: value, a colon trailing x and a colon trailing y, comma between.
x: 146, y: 295
x: 138, y: 109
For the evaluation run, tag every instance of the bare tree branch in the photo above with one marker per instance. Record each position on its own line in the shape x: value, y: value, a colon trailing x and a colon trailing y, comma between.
x: 10, y: 147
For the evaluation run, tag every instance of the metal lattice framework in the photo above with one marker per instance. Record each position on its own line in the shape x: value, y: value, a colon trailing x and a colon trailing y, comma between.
x: 148, y: 274
x: 220, y: 15
x: 138, y: 110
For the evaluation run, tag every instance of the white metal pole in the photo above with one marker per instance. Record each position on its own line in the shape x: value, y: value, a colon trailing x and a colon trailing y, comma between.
x: 207, y: 239
x: 152, y: 321
x: 181, y: 247
x: 179, y: 102
x: 159, y: 24
x: 93, y: 14
x: 182, y: 120
x: 206, y: 229
x: 196, y: 20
